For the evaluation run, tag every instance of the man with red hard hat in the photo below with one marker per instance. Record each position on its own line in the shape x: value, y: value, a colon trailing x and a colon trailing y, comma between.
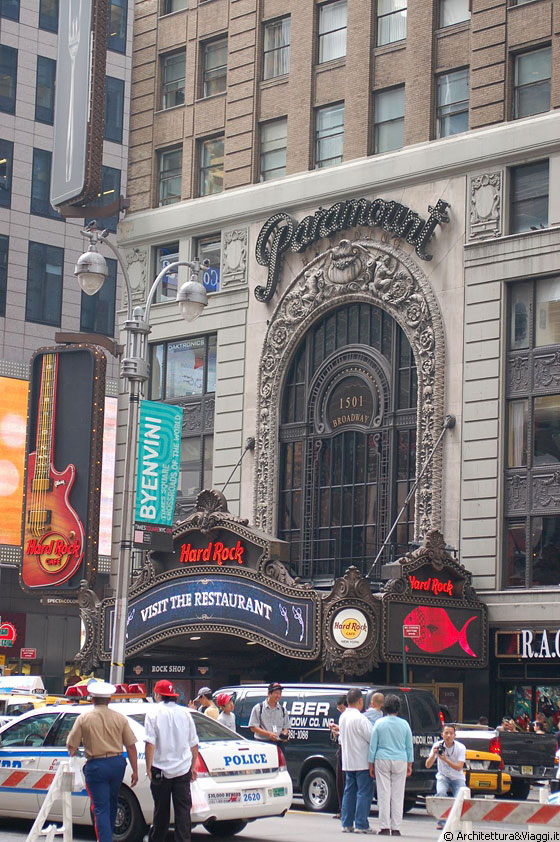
x: 171, y: 755
x: 226, y: 704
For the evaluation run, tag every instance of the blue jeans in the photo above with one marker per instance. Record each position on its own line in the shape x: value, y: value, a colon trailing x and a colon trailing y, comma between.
x: 444, y: 784
x: 356, y: 801
x: 104, y: 776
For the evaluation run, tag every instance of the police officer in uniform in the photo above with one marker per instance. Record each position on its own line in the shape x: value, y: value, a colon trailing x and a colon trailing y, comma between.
x: 103, y: 732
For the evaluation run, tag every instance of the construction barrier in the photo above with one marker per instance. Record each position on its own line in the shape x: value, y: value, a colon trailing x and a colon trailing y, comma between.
x: 60, y: 789
x: 21, y: 779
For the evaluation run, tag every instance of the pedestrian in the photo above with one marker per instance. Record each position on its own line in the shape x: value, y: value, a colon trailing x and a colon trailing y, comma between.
x: 269, y: 720
x: 354, y: 736
x: 171, y: 755
x: 341, y: 706
x: 207, y: 706
x: 375, y: 709
x: 390, y: 763
x: 226, y: 705
x: 451, y: 756
x: 483, y: 721
x: 103, y: 732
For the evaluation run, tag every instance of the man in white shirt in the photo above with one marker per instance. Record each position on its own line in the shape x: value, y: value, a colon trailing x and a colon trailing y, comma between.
x: 451, y: 756
x: 354, y: 737
x: 171, y: 755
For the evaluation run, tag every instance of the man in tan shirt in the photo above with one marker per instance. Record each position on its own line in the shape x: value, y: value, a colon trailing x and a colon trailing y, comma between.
x: 103, y: 732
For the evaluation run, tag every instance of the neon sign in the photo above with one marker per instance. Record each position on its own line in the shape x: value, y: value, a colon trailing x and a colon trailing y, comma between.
x: 432, y: 584
x: 215, y: 552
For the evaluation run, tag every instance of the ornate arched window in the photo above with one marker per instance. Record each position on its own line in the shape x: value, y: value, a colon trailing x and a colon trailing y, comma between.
x: 347, y: 436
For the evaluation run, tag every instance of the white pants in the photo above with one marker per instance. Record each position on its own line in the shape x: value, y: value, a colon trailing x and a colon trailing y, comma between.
x: 390, y: 776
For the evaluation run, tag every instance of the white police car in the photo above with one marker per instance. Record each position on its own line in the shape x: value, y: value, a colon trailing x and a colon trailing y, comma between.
x: 243, y: 780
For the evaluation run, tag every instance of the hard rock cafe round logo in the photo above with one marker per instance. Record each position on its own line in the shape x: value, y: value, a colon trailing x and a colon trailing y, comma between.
x: 53, y: 551
x: 350, y: 628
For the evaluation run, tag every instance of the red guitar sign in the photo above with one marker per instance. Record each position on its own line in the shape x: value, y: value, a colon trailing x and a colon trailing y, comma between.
x: 53, y: 545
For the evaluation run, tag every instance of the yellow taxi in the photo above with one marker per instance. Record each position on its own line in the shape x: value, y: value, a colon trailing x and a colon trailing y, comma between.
x: 484, y: 775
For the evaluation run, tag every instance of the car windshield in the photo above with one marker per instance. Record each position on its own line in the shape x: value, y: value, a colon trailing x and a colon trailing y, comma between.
x: 210, y: 731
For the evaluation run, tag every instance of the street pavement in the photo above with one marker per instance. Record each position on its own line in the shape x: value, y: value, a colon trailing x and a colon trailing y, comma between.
x: 296, y: 826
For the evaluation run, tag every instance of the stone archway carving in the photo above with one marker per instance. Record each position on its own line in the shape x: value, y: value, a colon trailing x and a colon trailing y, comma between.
x: 360, y: 271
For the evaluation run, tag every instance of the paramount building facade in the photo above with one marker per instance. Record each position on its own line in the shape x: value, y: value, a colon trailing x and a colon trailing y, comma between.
x: 384, y: 252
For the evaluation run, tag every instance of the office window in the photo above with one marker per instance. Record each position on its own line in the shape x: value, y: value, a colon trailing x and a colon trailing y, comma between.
x: 210, y: 248
x: 97, y: 314
x: 211, y: 166
x: 9, y: 9
x: 214, y: 67
x: 452, y: 109
x: 531, y: 93
x: 391, y: 21
x: 274, y: 137
x: 8, y: 78
x: 174, y: 6
x: 116, y: 36
x: 183, y: 368
x: 164, y: 255
x: 276, y: 52
x: 48, y: 15
x: 389, y: 120
x: 43, y: 302
x: 329, y: 135
x: 532, y: 538
x: 114, y: 109
x: 41, y: 185
x: 332, y: 30
x: 528, y: 205
x: 453, y: 11
x: 170, y: 171
x: 4, y: 244
x: 44, y: 90
x: 110, y: 191
x: 173, y: 79
x: 6, y: 161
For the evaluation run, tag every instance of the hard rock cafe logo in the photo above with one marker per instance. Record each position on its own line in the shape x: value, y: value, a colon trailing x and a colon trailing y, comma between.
x: 215, y: 552
x: 53, y: 551
x: 350, y: 628
x: 432, y: 584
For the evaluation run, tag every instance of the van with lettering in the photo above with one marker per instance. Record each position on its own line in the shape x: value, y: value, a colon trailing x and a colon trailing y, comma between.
x: 311, y: 752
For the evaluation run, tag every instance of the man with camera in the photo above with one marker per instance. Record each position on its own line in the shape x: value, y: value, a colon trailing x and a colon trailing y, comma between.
x: 451, y: 756
x: 269, y: 720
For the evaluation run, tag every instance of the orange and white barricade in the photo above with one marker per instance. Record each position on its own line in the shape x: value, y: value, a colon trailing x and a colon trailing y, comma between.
x: 60, y: 788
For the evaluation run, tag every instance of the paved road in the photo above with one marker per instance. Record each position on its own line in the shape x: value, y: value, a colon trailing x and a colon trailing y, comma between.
x: 296, y: 826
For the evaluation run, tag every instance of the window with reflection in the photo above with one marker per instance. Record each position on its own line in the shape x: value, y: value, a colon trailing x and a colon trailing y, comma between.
x: 6, y: 161
x: 214, y: 67
x: 9, y: 9
x: 341, y: 486
x: 44, y: 91
x: 97, y: 312
x: 41, y: 185
x: 116, y: 34
x: 453, y: 11
x: 164, y: 255
x: 48, y: 15
x: 332, y: 30
x: 276, y: 48
x: 183, y: 372
x: 8, y: 78
x: 110, y: 192
x: 391, y: 21
x: 532, y: 498
x: 114, y: 109
x: 389, y: 120
x: 211, y: 166
x: 528, y: 200
x: 531, y: 91
x: 210, y: 248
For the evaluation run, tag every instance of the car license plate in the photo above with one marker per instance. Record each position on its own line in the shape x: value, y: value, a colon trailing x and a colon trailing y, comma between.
x: 278, y: 792
x: 476, y: 764
x: 526, y: 770
x: 252, y: 796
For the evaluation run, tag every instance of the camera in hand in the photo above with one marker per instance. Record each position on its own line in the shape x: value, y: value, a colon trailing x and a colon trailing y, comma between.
x: 441, y: 748
x: 283, y: 737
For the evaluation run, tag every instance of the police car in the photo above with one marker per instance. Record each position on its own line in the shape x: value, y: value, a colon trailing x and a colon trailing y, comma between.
x: 243, y: 780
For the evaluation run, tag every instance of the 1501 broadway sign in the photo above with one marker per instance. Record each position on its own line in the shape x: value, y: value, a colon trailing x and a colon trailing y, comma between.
x: 276, y: 615
x: 159, y: 444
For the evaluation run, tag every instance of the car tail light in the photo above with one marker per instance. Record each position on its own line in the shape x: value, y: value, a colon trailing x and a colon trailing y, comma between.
x: 281, y: 760
x: 441, y: 718
x: 200, y: 767
x: 496, y: 748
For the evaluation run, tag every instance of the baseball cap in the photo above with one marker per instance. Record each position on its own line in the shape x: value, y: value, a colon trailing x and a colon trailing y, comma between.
x: 204, y: 691
x: 165, y: 688
x: 222, y: 699
x: 101, y: 689
x: 274, y: 685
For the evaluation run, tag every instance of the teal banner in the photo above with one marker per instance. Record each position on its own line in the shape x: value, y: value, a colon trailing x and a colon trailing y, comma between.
x: 159, y: 454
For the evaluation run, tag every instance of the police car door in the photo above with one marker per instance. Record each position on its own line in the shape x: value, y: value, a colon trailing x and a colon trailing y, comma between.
x: 54, y: 751
x: 22, y: 744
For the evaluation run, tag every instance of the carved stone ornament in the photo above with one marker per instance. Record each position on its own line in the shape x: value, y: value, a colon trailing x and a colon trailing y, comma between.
x: 517, y: 374
x: 485, y: 217
x: 86, y: 659
x: 433, y: 552
x: 375, y: 273
x: 516, y: 493
x: 234, y: 257
x: 546, y: 491
x: 211, y: 512
x: 547, y: 371
x: 351, y: 599
x: 136, y: 260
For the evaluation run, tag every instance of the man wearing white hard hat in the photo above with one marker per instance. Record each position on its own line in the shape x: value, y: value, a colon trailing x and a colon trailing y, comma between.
x: 103, y: 732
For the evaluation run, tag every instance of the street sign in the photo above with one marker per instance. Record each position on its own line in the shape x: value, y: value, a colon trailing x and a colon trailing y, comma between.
x: 8, y: 634
x: 411, y: 631
x: 28, y: 654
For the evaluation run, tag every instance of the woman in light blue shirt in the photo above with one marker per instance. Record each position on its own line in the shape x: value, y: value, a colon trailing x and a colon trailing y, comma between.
x: 390, y: 763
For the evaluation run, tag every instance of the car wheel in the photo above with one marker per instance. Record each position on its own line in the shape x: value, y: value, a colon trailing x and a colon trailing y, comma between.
x: 130, y: 825
x: 319, y: 790
x: 409, y: 803
x: 225, y: 828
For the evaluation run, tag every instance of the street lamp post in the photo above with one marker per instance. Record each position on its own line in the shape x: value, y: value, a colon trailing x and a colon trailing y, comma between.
x: 91, y: 271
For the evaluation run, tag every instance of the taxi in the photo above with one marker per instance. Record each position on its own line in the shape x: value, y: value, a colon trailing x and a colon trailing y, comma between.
x: 484, y: 775
x: 243, y: 780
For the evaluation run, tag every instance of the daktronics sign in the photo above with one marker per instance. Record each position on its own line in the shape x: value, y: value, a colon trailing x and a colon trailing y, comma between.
x: 215, y: 552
